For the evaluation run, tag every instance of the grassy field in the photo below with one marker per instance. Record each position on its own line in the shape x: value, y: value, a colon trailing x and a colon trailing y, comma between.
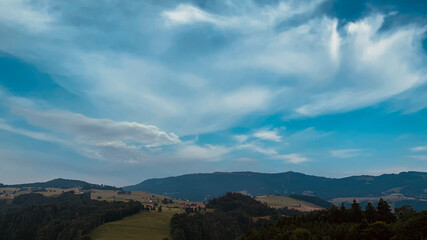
x: 282, y: 201
x: 142, y: 226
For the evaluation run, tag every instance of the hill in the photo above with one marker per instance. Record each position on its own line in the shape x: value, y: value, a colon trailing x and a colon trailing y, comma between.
x: 61, y: 184
x: 201, y: 187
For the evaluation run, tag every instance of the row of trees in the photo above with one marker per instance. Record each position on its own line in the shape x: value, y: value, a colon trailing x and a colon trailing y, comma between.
x: 374, y: 223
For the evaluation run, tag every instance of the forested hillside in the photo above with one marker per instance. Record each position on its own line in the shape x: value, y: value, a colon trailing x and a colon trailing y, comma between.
x: 411, y: 186
x: 233, y: 215
x: 377, y: 223
x: 67, y: 217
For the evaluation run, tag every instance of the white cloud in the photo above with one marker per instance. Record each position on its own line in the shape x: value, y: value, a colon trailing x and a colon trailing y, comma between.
x: 294, y: 158
x: 265, y: 64
x: 256, y: 148
x: 346, y: 153
x: 241, y: 138
x: 270, y: 135
x: 379, y: 66
x: 102, y: 139
x: 203, y: 153
x: 185, y: 14
x: 419, y: 148
x: 252, y: 18
x: 32, y: 134
x: 24, y: 13
x: 96, y: 130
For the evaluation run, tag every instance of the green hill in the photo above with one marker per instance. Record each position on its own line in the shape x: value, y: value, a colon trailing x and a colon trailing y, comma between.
x: 62, y: 184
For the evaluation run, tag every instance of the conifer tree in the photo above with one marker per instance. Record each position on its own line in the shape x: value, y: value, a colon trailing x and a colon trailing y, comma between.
x: 356, y: 212
x: 384, y: 212
x: 370, y: 212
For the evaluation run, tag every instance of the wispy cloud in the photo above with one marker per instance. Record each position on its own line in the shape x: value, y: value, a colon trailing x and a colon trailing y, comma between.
x: 241, y: 138
x: 96, y: 130
x: 32, y: 134
x: 419, y: 157
x: 254, y: 17
x: 254, y: 147
x: 419, y: 148
x: 150, y: 68
x: 204, y: 153
x: 24, y: 13
x: 271, y: 135
x: 346, y: 153
x: 294, y: 158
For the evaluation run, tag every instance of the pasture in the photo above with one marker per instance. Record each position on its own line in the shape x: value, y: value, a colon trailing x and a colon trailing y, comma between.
x: 151, y: 225
x: 282, y: 201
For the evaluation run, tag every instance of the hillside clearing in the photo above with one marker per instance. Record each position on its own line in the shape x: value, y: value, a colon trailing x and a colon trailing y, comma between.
x: 142, y: 226
x: 282, y: 201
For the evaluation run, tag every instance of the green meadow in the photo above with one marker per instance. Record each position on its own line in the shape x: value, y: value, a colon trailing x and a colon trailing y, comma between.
x: 151, y: 225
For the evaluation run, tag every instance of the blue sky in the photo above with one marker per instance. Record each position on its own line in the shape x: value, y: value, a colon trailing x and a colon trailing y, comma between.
x: 117, y: 92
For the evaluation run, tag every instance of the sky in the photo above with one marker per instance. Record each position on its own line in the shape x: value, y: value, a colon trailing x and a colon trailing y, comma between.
x: 117, y: 92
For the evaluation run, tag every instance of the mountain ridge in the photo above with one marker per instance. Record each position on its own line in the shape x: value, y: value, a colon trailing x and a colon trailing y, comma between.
x: 203, y: 186
x: 62, y: 184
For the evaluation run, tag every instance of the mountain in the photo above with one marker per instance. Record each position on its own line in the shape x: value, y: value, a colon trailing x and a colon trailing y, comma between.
x: 204, y: 186
x: 63, y: 184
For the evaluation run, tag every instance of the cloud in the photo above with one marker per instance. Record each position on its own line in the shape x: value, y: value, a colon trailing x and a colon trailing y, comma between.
x: 96, y: 130
x: 284, y: 58
x: 204, y: 153
x: 346, y: 153
x: 419, y: 148
x: 35, y: 135
x: 270, y: 135
x: 419, y: 157
x: 294, y: 158
x: 24, y: 13
x: 186, y: 14
x: 192, y: 69
x: 252, y: 18
x: 256, y: 148
x: 241, y: 138
x: 102, y: 139
x: 377, y: 66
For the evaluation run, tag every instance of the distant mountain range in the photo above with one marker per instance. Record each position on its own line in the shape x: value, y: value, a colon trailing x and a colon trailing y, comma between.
x: 204, y: 186
x: 63, y: 184
x: 406, y: 188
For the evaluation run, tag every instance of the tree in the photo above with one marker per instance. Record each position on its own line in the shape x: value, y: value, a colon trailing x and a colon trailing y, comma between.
x: 404, y: 212
x: 301, y: 234
x: 356, y: 212
x: 378, y: 231
x: 384, y: 212
x: 370, y: 213
x: 343, y: 213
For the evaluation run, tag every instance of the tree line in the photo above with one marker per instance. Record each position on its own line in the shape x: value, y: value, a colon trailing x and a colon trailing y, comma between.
x: 340, y: 223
